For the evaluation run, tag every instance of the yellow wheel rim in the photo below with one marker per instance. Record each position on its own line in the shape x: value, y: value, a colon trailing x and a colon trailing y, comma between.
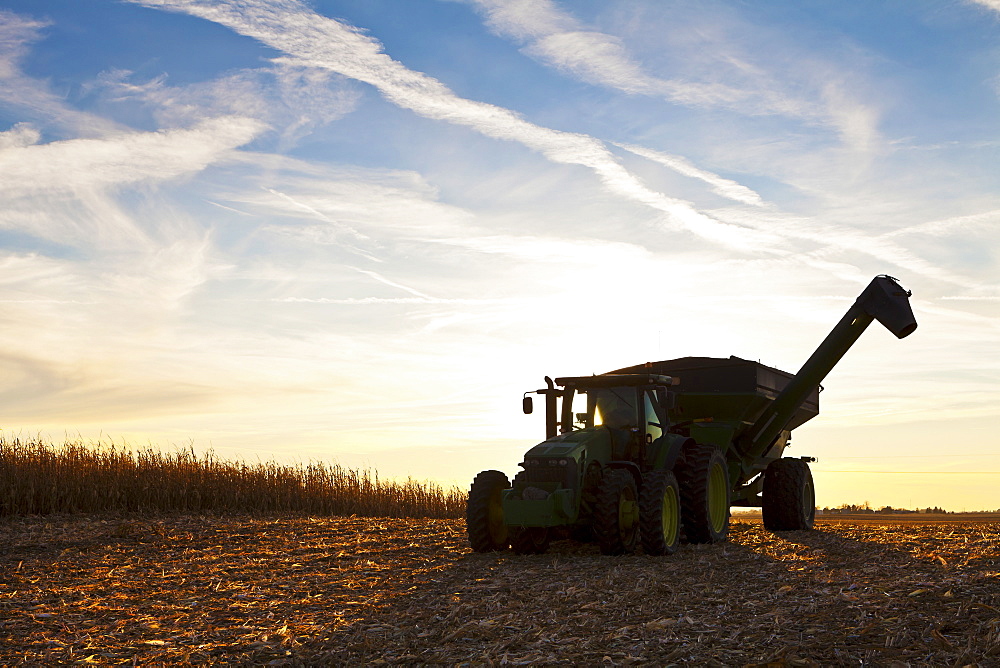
x: 718, y: 497
x: 671, y: 515
x: 497, y: 526
x: 628, y: 511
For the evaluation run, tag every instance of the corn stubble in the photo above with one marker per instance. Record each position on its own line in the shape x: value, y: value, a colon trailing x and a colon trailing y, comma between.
x: 38, y: 478
x: 354, y: 591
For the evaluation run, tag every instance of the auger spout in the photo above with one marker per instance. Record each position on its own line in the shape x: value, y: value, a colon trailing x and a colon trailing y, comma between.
x: 883, y: 300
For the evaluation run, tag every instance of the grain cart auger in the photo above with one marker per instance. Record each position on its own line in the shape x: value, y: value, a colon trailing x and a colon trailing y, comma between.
x: 646, y: 453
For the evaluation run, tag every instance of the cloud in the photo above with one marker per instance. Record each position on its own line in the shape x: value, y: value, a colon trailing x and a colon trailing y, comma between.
x: 66, y: 191
x: 29, y: 96
x: 556, y: 38
x: 354, y: 301
x: 984, y: 221
x: 721, y: 186
x: 988, y: 4
x: 552, y: 249
x: 315, y: 208
x: 386, y: 281
x: 19, y: 136
x: 290, y: 99
x: 123, y: 158
x: 316, y: 41
x: 112, y: 261
x: 830, y: 241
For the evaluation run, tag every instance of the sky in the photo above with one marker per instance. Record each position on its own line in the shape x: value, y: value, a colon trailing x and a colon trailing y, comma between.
x: 358, y: 231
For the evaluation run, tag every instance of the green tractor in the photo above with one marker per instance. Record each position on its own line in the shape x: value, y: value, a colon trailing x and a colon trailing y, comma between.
x: 656, y: 453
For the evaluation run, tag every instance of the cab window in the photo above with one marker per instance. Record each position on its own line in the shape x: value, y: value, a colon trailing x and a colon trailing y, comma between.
x: 653, y: 432
x: 614, y: 407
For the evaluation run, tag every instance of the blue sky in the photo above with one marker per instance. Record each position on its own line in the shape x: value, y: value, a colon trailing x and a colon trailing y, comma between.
x: 360, y: 230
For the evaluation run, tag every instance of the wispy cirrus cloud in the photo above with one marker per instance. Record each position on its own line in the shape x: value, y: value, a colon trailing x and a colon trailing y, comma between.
x: 721, y: 186
x: 122, y: 158
x: 830, y: 241
x: 103, y: 262
x: 317, y: 41
x: 65, y: 191
x: 985, y: 220
x: 989, y: 4
x: 31, y: 96
x: 289, y: 99
x: 558, y: 39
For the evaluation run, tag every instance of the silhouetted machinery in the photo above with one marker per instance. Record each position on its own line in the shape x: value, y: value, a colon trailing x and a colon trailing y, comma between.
x: 646, y: 453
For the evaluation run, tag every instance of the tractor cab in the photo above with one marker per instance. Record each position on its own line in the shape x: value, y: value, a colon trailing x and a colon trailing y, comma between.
x: 620, y: 401
x: 632, y: 407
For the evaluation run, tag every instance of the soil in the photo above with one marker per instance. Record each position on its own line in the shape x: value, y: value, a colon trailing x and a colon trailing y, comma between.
x: 295, y: 590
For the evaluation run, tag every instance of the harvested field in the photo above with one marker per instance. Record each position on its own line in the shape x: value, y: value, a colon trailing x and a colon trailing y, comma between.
x: 297, y: 590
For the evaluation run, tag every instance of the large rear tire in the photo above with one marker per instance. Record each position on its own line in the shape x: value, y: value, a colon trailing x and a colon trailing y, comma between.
x: 789, y: 502
x: 484, y: 520
x: 616, y: 514
x: 660, y: 513
x: 705, y: 492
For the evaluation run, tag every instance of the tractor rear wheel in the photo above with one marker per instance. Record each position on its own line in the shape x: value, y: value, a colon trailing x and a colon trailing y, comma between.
x: 484, y: 512
x: 704, y: 482
x: 660, y: 513
x: 789, y: 502
x: 529, y: 540
x: 616, y: 513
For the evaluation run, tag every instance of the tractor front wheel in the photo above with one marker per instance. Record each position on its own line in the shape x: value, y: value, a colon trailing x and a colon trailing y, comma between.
x: 484, y: 512
x: 616, y: 513
x: 789, y: 502
x: 660, y: 513
x: 705, y: 490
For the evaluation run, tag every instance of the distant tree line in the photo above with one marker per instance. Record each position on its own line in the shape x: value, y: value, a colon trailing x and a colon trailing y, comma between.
x: 853, y: 509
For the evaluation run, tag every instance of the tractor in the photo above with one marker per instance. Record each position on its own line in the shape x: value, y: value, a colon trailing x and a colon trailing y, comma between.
x: 658, y: 453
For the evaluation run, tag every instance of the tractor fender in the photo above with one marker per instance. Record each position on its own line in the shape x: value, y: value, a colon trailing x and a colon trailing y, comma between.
x: 667, y: 449
x: 631, y: 467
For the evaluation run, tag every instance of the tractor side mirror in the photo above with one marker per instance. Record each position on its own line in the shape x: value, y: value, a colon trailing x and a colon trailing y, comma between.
x: 667, y: 398
x: 527, y: 405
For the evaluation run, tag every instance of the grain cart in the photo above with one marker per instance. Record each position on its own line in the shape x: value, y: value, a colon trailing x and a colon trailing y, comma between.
x: 645, y: 453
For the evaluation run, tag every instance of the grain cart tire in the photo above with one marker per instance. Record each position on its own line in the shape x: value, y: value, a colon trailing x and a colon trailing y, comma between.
x: 660, y: 513
x: 484, y: 512
x: 529, y: 540
x: 616, y: 513
x: 704, y: 482
x: 789, y: 502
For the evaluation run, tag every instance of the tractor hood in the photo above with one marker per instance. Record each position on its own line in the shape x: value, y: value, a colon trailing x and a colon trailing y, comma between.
x: 570, y: 444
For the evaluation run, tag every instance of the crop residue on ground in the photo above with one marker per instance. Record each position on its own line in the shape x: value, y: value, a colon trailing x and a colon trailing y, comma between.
x: 296, y: 590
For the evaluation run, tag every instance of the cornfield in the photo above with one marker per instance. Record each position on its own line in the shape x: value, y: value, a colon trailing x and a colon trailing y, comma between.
x: 40, y: 478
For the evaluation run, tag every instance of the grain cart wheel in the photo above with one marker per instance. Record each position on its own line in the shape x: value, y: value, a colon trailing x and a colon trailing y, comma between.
x: 660, y: 513
x: 704, y: 494
x: 484, y: 512
x: 529, y: 540
x: 616, y: 513
x: 789, y: 497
